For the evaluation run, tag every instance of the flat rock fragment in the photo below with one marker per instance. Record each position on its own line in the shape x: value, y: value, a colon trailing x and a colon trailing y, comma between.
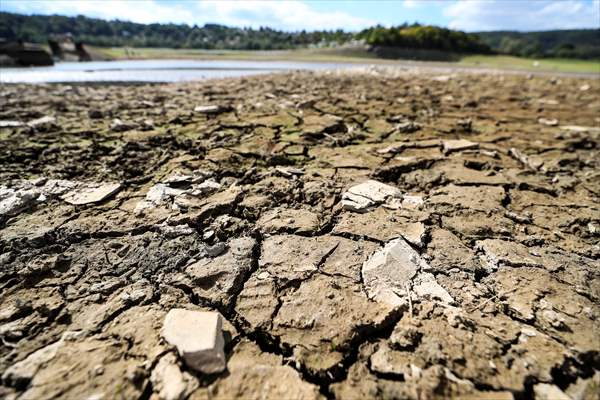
x: 548, y: 121
x: 168, y: 380
x: 366, y: 195
x: 450, y: 146
x: 211, y: 109
x: 12, y: 202
x: 546, y: 391
x: 91, y: 193
x: 391, y: 272
x: 23, y: 371
x: 43, y: 122
x: 198, y: 338
x: 10, y: 124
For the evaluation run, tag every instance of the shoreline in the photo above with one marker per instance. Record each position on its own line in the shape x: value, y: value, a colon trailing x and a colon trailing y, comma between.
x: 398, y: 69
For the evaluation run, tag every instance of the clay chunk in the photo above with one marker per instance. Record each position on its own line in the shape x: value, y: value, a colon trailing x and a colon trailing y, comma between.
x: 198, y: 338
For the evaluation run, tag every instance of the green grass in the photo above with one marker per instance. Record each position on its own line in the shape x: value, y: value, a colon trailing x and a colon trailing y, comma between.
x: 549, y: 64
x: 351, y: 55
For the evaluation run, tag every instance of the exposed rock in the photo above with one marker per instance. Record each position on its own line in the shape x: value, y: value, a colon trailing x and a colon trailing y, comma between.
x: 450, y: 146
x: 13, y: 202
x: 42, y: 123
x: 390, y: 274
x: 120, y: 126
x: 168, y: 380
x: 364, y: 196
x: 211, y: 109
x: 198, y: 338
x: 10, y: 124
x: 22, y: 372
x: 91, y: 193
x: 532, y: 162
x: 545, y: 391
x: 548, y: 122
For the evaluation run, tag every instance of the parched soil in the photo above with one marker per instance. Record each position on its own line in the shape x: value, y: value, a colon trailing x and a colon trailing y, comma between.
x: 480, y: 279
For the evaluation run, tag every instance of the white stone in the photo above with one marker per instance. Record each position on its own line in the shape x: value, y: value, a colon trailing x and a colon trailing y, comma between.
x: 546, y: 391
x: 13, y: 202
x: 168, y: 380
x: 389, y: 271
x: 91, y: 193
x: 41, y: 121
x: 458, y: 144
x: 173, y: 231
x: 365, y: 195
x: 208, y: 186
x: 209, y: 109
x: 392, y: 271
x: 56, y: 187
x: 157, y: 195
x: 10, y: 124
x: 426, y: 286
x: 198, y: 337
x: 548, y: 122
x: 412, y: 201
x: 25, y: 370
x: 356, y: 203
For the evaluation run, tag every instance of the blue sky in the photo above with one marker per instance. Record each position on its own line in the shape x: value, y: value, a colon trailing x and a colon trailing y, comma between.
x: 468, y: 15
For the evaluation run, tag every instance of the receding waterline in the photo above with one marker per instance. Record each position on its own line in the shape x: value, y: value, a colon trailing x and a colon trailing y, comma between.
x: 152, y: 70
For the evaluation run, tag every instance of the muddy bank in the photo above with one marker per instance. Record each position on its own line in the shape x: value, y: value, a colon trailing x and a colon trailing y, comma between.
x: 363, y: 235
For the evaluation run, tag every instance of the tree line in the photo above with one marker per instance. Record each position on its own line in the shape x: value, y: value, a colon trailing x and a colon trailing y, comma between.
x: 583, y: 43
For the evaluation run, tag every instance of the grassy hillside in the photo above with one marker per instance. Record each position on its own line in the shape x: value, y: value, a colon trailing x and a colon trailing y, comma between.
x: 580, y: 43
x: 583, y: 43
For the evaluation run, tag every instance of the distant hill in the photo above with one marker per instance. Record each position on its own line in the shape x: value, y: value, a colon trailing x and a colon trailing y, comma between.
x: 583, y: 43
x: 423, y: 37
x: 578, y: 43
x: 98, y: 32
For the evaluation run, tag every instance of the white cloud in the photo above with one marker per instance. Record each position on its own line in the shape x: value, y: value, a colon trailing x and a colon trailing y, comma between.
x: 285, y: 15
x: 486, y: 15
x: 142, y: 11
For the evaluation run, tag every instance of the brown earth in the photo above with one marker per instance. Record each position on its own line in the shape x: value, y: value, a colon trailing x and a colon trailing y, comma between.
x: 127, y: 203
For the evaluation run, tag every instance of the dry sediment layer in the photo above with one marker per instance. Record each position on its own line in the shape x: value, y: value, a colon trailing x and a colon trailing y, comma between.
x: 482, y: 278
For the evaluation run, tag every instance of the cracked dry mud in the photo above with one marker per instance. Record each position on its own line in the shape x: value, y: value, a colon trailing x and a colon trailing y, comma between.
x: 471, y: 270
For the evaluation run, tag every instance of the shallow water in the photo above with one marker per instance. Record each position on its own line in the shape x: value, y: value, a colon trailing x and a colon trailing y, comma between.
x: 152, y: 70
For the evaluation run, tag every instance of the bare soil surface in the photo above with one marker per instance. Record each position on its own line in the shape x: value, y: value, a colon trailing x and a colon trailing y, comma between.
x: 363, y: 235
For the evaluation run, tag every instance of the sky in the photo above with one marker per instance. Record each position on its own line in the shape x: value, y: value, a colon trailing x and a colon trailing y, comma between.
x: 293, y: 15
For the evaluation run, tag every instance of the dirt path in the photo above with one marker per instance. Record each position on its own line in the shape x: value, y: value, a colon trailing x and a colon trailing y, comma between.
x: 374, y: 235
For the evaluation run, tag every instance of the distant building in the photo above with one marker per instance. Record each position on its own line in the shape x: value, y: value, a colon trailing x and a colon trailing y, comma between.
x: 13, y: 53
x: 64, y: 48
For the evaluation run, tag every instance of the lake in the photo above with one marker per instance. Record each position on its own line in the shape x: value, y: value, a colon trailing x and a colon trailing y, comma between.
x: 153, y: 70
